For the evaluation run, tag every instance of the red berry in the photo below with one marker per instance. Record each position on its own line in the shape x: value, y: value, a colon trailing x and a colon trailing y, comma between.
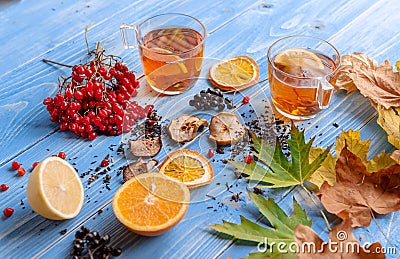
x: 4, y: 187
x: 246, y: 99
x: 210, y: 153
x: 102, y: 71
x: 92, y: 135
x: 78, y: 95
x: 8, y: 212
x: 15, y: 165
x: 248, y: 159
x: 118, y: 66
x: 105, y: 162
x: 149, y: 108
x: 47, y: 101
x: 21, y: 171
x: 34, y: 165
x: 62, y: 155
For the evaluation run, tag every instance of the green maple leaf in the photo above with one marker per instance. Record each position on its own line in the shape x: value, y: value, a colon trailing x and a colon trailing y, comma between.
x: 282, y: 230
x: 278, y: 171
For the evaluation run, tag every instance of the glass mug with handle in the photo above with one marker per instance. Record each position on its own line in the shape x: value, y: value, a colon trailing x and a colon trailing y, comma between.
x: 171, y: 49
x: 301, y: 71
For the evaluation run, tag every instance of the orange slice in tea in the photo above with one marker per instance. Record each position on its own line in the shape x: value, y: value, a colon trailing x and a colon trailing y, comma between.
x: 172, y: 58
x: 293, y: 58
x: 150, y: 204
x: 233, y: 74
x: 187, y: 166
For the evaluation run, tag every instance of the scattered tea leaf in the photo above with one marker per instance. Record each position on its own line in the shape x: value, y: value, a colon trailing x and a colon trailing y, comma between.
x: 357, y: 192
x: 342, y: 235
x: 282, y: 229
x: 279, y: 171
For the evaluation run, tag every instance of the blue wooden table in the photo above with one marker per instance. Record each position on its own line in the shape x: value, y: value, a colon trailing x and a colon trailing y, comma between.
x: 33, y: 30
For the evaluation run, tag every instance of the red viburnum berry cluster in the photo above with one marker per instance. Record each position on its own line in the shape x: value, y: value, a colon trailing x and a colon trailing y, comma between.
x: 95, y: 98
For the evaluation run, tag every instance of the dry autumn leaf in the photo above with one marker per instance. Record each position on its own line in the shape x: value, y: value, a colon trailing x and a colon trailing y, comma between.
x: 379, y: 83
x: 346, y: 74
x: 389, y: 120
x: 357, y: 192
x: 358, y: 147
x: 346, y: 245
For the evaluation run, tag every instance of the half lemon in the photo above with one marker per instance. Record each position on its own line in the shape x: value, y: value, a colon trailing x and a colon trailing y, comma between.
x: 55, y: 190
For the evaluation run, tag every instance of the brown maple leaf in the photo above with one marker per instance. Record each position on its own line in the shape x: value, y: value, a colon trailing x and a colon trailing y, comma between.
x: 382, y: 85
x: 379, y: 83
x: 346, y: 74
x: 357, y: 192
x: 342, y: 244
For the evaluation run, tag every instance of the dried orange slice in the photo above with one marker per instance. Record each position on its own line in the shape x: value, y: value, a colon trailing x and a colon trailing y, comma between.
x: 187, y: 166
x: 235, y: 73
x: 150, y: 204
x: 55, y: 190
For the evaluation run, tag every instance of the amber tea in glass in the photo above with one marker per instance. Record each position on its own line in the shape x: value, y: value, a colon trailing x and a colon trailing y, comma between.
x: 301, y: 71
x: 171, y: 50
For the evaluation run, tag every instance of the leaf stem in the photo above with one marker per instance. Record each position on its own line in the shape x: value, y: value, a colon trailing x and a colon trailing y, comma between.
x: 55, y: 62
x: 317, y: 206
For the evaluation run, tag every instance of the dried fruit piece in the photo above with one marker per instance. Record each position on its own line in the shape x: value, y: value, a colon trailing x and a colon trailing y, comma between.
x: 138, y: 167
x: 151, y: 204
x: 187, y: 166
x: 145, y: 146
x: 225, y: 128
x: 55, y: 190
x: 185, y: 127
x: 234, y: 74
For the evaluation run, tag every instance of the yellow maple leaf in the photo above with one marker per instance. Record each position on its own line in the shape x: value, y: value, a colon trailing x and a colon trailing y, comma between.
x: 354, y: 144
x: 389, y: 120
x: 327, y: 170
x: 358, y: 147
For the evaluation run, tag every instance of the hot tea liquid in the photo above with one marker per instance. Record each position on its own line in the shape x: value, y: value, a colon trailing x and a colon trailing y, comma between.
x: 172, y: 58
x: 293, y: 91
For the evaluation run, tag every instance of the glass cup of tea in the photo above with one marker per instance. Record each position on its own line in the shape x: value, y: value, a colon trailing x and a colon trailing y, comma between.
x: 301, y: 73
x: 171, y: 49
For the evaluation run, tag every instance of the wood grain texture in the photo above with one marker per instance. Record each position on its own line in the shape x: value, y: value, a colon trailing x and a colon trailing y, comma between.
x: 55, y: 30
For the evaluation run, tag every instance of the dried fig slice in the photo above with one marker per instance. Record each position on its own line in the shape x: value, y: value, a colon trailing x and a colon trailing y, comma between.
x: 185, y: 127
x: 138, y: 167
x: 145, y: 146
x: 225, y: 128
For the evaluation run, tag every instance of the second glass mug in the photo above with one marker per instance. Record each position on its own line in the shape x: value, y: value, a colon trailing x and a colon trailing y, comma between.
x: 171, y: 49
x: 301, y: 71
